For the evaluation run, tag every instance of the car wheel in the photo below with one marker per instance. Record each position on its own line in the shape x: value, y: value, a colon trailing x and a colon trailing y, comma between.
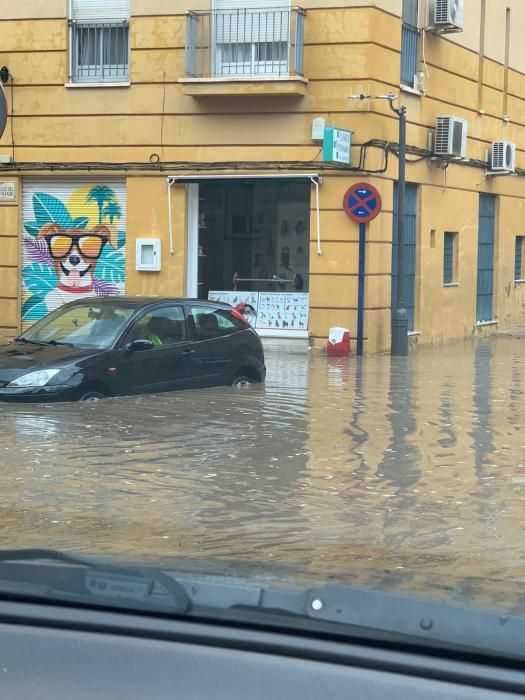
x: 242, y: 381
x: 92, y: 396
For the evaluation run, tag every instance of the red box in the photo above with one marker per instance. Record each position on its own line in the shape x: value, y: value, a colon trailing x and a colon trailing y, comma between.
x: 338, y: 344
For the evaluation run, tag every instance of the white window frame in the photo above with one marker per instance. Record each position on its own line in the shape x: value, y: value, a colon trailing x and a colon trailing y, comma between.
x: 112, y: 81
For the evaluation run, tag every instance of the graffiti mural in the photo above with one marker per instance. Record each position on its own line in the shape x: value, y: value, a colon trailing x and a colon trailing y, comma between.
x: 73, y: 247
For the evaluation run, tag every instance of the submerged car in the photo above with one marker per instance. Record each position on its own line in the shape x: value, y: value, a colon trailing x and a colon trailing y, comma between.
x: 112, y: 346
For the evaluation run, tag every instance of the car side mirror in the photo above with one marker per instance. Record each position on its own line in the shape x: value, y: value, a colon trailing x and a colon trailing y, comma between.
x: 138, y: 345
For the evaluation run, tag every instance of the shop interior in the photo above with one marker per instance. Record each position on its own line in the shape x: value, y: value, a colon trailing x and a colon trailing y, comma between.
x: 254, y: 247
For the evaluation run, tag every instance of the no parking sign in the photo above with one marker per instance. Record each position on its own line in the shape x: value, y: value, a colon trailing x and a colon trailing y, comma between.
x: 362, y: 202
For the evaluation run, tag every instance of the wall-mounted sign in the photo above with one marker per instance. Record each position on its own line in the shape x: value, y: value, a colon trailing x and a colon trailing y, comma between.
x: 7, y: 191
x: 337, y: 146
x: 362, y: 202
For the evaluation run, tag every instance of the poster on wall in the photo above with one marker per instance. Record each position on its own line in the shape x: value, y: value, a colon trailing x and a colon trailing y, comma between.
x: 284, y: 311
x: 235, y: 298
x: 73, y: 245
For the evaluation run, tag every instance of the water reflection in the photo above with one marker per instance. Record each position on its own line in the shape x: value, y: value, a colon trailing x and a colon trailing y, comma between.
x: 402, y: 474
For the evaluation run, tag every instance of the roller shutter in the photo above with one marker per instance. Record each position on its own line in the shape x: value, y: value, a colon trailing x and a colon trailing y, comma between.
x: 73, y: 242
x: 99, y: 10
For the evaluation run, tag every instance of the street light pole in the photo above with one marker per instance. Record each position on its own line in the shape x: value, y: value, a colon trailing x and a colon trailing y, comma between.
x: 399, y: 318
x: 399, y: 343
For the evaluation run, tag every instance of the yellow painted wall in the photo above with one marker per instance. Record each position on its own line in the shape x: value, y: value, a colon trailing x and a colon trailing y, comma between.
x: 9, y: 264
x: 350, y: 46
x: 147, y: 217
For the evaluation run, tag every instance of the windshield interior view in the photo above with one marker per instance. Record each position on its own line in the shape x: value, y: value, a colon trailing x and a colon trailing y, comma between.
x: 262, y: 307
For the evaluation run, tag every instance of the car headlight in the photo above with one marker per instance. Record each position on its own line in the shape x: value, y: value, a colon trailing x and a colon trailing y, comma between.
x: 39, y: 378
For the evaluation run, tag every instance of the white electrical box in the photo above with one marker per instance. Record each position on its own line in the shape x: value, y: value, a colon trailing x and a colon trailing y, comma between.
x: 318, y: 126
x: 148, y: 254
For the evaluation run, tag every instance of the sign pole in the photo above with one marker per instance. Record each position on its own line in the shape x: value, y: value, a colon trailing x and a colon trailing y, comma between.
x: 361, y: 288
x: 399, y: 345
x: 362, y: 203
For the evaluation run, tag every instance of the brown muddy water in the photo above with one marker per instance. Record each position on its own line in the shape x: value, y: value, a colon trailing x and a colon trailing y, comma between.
x: 403, y: 474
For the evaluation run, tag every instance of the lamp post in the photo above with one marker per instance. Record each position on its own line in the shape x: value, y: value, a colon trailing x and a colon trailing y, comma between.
x: 399, y: 317
x: 399, y: 343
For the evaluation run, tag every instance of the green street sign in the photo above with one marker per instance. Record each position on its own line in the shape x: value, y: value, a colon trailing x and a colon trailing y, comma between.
x: 337, y: 146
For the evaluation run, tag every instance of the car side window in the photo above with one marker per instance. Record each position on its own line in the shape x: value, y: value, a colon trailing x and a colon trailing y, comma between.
x: 213, y: 323
x: 163, y: 326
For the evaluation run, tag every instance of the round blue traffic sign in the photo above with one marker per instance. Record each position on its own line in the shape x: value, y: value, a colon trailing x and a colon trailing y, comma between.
x: 362, y: 202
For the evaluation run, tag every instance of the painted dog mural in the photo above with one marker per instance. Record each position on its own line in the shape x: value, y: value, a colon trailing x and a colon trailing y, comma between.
x: 72, y: 249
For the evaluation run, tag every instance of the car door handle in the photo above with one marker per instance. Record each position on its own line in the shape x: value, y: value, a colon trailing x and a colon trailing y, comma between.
x: 188, y: 352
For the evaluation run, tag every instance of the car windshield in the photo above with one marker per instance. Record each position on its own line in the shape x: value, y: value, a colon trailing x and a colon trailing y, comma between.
x: 262, y: 293
x: 83, y: 326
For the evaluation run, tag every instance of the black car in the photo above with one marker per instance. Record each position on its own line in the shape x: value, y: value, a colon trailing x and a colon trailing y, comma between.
x: 108, y: 346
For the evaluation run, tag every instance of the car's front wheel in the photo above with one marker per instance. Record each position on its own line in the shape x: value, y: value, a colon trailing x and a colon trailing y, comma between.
x: 91, y: 395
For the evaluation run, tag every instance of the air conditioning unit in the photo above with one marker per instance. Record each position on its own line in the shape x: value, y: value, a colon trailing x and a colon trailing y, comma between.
x: 503, y: 159
x: 448, y: 16
x: 451, y: 137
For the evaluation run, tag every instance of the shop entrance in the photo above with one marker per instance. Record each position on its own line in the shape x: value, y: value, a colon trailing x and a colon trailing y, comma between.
x: 253, y: 247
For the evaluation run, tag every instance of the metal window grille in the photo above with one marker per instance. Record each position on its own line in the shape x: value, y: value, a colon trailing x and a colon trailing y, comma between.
x: 448, y: 257
x: 485, y: 281
x: 518, y: 257
x: 409, y: 252
x: 100, y: 52
x: 409, y: 54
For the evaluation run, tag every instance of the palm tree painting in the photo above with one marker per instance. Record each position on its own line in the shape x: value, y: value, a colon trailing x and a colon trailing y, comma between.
x: 112, y: 211
x: 102, y: 195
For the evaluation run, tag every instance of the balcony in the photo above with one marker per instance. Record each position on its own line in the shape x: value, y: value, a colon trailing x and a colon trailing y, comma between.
x: 244, y: 51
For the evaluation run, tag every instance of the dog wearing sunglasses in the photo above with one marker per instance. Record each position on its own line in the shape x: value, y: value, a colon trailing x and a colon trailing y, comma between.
x: 75, y: 253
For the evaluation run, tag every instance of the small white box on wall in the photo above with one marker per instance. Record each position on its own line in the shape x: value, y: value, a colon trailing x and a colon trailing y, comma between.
x: 148, y: 254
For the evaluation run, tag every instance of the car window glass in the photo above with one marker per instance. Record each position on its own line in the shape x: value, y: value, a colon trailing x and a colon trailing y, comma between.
x: 164, y: 326
x: 213, y: 323
x: 94, y: 326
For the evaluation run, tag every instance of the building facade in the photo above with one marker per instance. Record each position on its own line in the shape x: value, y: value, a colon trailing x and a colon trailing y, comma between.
x: 166, y: 147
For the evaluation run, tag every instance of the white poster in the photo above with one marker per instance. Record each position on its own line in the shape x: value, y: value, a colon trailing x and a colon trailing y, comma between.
x: 287, y: 311
x: 234, y: 298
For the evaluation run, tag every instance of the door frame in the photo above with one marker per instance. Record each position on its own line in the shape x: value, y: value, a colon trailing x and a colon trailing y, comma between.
x: 192, y: 240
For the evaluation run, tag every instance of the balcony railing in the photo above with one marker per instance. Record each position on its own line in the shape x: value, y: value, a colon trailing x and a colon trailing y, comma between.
x: 245, y: 43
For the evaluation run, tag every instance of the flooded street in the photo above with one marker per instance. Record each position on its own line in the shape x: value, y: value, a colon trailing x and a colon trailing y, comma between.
x: 406, y: 474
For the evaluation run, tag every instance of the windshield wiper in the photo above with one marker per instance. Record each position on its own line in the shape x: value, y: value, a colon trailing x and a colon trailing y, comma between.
x: 21, y: 339
x: 60, y: 342
x: 89, y: 581
x: 344, y: 611
x: 26, y: 340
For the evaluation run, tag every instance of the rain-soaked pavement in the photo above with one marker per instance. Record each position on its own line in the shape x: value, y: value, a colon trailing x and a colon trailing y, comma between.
x: 405, y: 474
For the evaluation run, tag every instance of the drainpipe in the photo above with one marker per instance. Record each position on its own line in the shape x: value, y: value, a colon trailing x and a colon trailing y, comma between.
x: 170, y: 228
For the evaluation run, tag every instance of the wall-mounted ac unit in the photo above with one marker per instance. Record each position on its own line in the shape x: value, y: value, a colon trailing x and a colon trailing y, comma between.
x: 448, y: 16
x: 451, y: 137
x: 503, y: 157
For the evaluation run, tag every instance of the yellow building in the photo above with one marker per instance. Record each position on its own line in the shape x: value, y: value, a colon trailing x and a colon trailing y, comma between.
x: 167, y: 147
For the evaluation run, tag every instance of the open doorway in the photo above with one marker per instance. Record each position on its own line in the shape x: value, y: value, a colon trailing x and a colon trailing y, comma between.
x: 253, y: 246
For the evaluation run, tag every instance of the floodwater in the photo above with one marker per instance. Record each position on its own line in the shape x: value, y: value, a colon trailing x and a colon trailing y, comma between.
x: 408, y: 474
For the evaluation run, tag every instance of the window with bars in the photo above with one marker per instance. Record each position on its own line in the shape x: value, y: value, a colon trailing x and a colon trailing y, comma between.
x: 99, y: 34
x: 518, y: 258
x: 450, y: 242
x: 409, y: 42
